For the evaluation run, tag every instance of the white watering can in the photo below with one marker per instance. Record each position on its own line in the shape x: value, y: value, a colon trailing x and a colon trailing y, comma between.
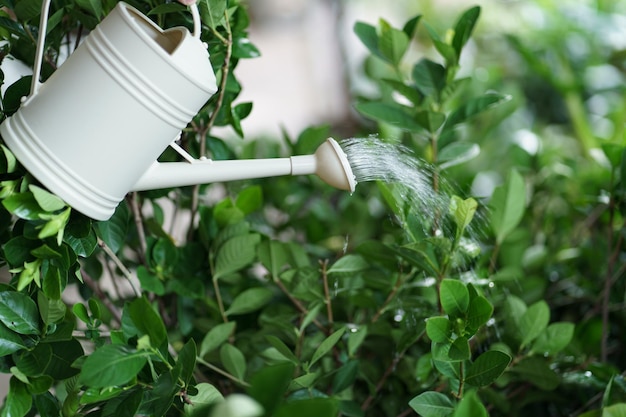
x: 94, y: 130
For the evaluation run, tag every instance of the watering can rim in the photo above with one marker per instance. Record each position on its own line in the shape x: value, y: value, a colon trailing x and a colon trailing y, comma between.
x: 207, y: 84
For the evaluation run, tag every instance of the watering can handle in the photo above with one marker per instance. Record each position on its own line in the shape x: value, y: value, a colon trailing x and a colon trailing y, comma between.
x: 43, y: 28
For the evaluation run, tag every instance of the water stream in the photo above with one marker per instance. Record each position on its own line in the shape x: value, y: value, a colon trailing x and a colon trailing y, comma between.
x: 412, y: 178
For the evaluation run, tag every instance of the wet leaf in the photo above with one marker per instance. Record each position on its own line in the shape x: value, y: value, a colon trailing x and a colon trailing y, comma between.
x: 487, y: 368
x: 454, y: 297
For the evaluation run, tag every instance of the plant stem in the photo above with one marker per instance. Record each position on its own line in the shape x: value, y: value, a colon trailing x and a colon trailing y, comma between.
x: 141, y: 233
x: 381, y: 383
x: 220, y: 303
x: 329, y: 307
x: 102, y: 296
x: 297, y: 303
x: 608, y: 279
x: 228, y: 42
x: 389, y: 298
x: 125, y: 272
x: 221, y: 372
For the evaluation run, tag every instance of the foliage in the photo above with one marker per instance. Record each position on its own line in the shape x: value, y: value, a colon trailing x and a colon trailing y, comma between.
x: 502, y: 305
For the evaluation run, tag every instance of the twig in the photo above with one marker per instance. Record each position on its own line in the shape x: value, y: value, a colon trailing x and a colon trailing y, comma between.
x: 141, y: 233
x: 127, y: 274
x: 392, y: 366
x: 389, y: 298
x: 102, y: 296
x: 220, y: 303
x: 202, y: 133
x: 298, y: 304
x: 222, y: 372
x: 329, y: 307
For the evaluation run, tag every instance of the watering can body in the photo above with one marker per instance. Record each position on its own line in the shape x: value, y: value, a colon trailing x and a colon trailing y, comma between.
x: 101, y: 120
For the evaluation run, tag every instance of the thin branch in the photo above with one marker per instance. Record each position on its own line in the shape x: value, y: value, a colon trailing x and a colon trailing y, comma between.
x: 298, y: 304
x: 141, y: 233
x: 329, y: 306
x: 102, y: 296
x: 388, y: 300
x: 222, y: 372
x: 204, y: 130
x: 381, y: 383
x: 126, y: 273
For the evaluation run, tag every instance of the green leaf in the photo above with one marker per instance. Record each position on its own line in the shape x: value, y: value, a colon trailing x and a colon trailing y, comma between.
x: 438, y: 329
x: 537, y: 371
x: 149, y: 281
x: 348, y: 264
x: 470, y: 406
x: 326, y: 345
x: 112, y: 365
x: 213, y: 12
x: 462, y: 211
x: 478, y: 313
x: 345, y: 376
x: 369, y: 37
x: 554, y: 339
x: 356, y: 338
x: 274, y: 255
x: 615, y: 410
x: 454, y: 297
x: 431, y: 121
x: 206, y: 396
x: 269, y: 384
x: 487, y: 368
x: 233, y: 361
x: 236, y: 253
x: 250, y: 300
x: 392, y: 114
x: 51, y: 310
x: 533, y: 322
x: 95, y: 395
x: 473, y: 107
x: 216, y: 336
x: 166, y: 8
x: 392, y: 43
x: 23, y: 205
x: 432, y: 404
x: 310, y: 407
x: 92, y: 6
x: 411, y: 26
x: 282, y: 349
x: 410, y: 93
x: 430, y: 78
x: 460, y: 349
x: 250, y: 199
x: 45, y: 199
x: 147, y: 321
x: 115, y: 230
x: 457, y: 153
x: 464, y: 27
x: 10, y: 342
x: 243, y: 48
x: 19, y: 312
x: 508, y: 203
x: 18, y: 400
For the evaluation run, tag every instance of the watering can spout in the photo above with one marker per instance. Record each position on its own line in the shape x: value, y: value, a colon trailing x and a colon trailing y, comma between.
x: 329, y: 162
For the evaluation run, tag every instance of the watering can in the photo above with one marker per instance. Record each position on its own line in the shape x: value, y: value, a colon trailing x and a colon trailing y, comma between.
x: 94, y: 130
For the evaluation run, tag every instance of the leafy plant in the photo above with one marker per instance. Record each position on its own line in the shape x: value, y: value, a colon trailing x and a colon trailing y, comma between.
x: 284, y: 297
